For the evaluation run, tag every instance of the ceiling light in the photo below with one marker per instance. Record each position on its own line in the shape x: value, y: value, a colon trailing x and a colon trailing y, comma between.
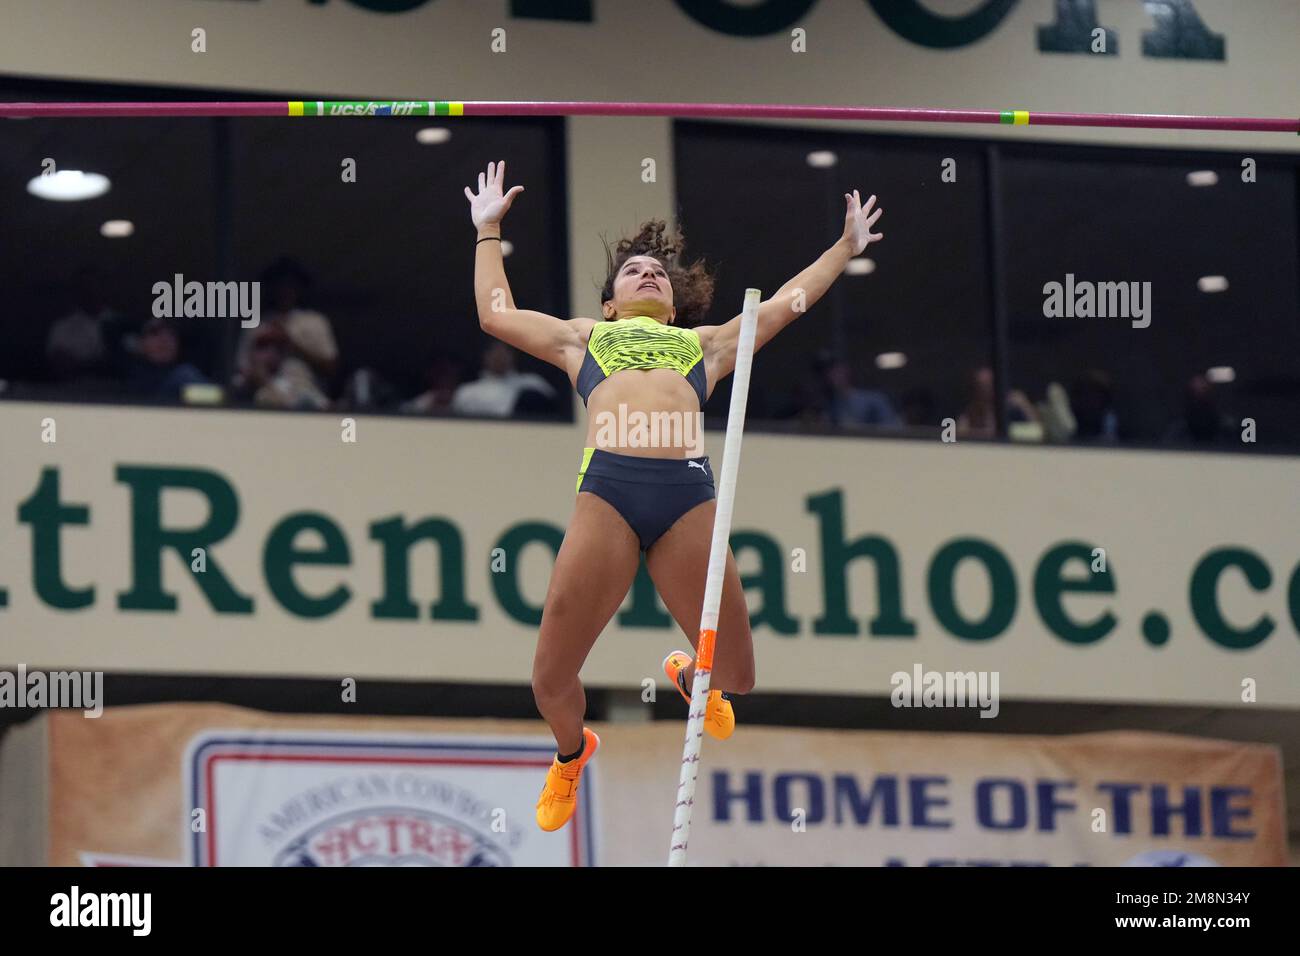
x: 117, y: 229
x: 68, y: 185
x: 891, y: 360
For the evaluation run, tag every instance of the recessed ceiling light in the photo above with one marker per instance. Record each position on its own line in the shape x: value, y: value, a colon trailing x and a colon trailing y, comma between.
x: 507, y: 247
x: 1202, y: 177
x: 117, y: 229
x: 68, y: 185
x: 432, y: 135
x: 888, y: 360
x: 861, y: 266
x: 1212, y: 283
x: 1221, y: 374
x: 822, y: 159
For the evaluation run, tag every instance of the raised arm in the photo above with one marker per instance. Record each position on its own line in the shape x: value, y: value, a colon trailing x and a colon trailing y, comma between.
x: 543, y: 336
x: 798, y: 295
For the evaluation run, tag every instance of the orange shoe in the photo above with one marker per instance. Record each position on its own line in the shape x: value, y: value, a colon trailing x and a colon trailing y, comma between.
x: 560, y: 792
x: 719, y: 718
x: 675, y: 665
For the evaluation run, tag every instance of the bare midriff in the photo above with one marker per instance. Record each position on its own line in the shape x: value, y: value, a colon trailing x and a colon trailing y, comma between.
x: 669, y: 412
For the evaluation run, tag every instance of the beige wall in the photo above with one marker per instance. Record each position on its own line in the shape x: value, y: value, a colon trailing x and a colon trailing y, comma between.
x: 1157, y: 515
x: 653, y: 51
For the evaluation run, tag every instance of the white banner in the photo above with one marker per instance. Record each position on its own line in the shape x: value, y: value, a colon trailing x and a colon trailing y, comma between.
x: 261, y: 543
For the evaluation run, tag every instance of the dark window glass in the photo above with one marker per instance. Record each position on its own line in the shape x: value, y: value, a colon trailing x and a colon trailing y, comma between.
x: 752, y: 202
x: 1207, y: 359
x: 387, y: 260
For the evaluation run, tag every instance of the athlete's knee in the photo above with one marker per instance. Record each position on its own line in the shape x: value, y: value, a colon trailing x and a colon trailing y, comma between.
x: 551, y: 686
x: 743, y: 682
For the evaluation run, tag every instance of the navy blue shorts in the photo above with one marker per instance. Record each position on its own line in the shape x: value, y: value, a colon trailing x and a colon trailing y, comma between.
x: 650, y: 493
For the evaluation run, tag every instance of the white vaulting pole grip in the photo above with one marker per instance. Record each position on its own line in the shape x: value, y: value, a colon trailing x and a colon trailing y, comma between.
x: 713, y: 583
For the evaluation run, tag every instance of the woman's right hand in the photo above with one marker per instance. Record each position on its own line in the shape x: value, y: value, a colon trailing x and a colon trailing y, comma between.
x: 488, y: 206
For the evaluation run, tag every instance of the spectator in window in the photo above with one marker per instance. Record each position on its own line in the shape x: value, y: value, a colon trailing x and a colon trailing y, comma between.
x: 1093, y: 402
x: 82, y: 344
x: 1056, y: 421
x: 308, y: 334
x: 274, y: 377
x: 157, y: 371
x: 848, y: 404
x: 366, y: 391
x: 496, y: 391
x: 532, y: 403
x: 1203, y: 421
x: 979, y: 418
x: 807, y: 401
x: 918, y: 408
x: 442, y: 377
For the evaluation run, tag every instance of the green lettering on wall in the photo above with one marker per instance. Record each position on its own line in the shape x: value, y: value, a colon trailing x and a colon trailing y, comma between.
x: 397, y: 540
x: 943, y: 596
x: 1180, y: 33
x: 1205, y: 597
x: 1293, y: 599
x: 149, y: 538
x: 379, y: 6
x: 506, y: 583
x: 46, y: 515
x: 280, y: 556
x: 752, y: 20
x: 769, y: 579
x: 1050, y: 585
x: 913, y: 22
x: 1071, y: 32
x: 836, y: 555
x: 573, y: 11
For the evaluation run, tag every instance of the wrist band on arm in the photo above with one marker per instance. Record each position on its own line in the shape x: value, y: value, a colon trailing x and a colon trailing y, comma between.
x: 486, y: 238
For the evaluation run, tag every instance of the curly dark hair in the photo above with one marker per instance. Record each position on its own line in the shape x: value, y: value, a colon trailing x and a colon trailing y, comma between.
x: 692, y: 285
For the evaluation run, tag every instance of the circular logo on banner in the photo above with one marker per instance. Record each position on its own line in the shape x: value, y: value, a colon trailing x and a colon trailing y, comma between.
x: 391, y: 836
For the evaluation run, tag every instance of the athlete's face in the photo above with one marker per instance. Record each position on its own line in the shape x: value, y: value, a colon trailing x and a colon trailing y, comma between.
x: 642, y: 288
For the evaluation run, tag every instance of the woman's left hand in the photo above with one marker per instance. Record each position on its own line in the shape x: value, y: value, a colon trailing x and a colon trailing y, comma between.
x: 858, y: 220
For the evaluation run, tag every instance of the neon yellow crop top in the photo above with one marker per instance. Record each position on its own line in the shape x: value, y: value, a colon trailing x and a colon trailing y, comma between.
x: 643, y: 343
